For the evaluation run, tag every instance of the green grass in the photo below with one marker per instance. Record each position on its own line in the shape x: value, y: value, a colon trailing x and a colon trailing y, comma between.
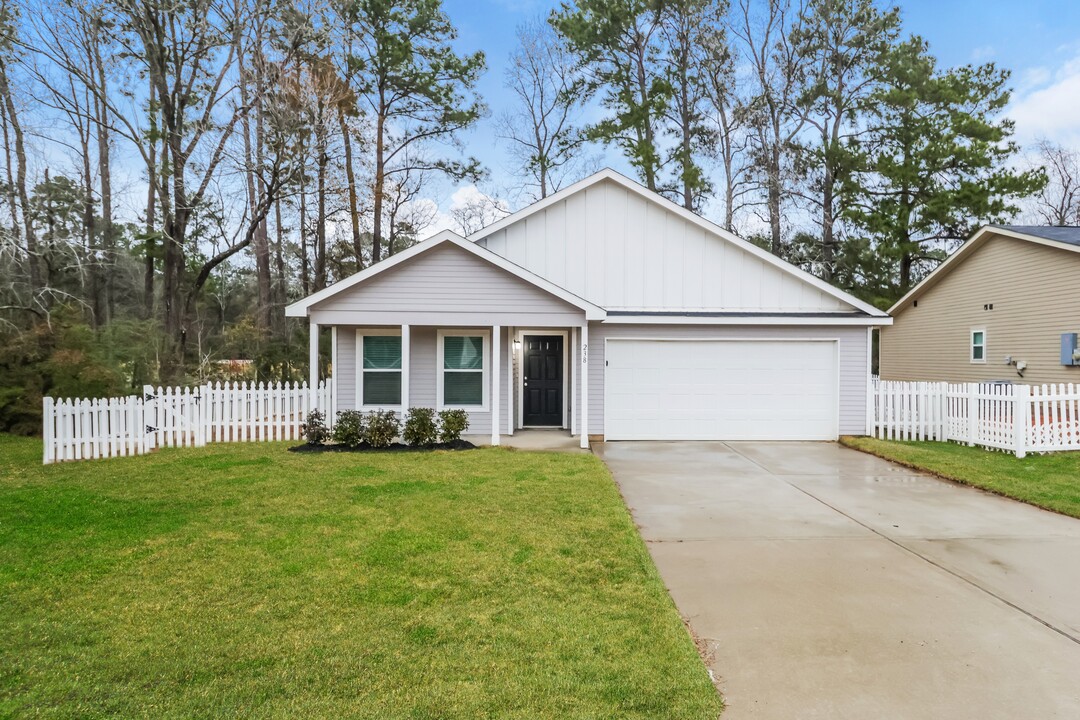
x: 246, y: 581
x: 1049, y: 481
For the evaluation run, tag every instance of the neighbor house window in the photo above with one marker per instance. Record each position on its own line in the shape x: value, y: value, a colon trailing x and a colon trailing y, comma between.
x: 380, y: 369
x: 463, y: 369
x: 978, y: 345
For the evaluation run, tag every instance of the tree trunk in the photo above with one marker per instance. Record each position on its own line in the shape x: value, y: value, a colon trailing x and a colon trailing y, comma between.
x: 253, y: 162
x: 350, y: 176
x: 150, y: 246
x: 828, y: 247
x: 320, y: 228
x: 774, y: 191
x: 648, y: 166
x: 108, y: 239
x: 30, y: 238
x: 380, y: 187
x: 13, y: 202
x: 305, y: 272
x: 96, y: 269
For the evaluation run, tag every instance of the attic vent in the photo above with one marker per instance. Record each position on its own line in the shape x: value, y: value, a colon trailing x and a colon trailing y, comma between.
x: 915, y: 304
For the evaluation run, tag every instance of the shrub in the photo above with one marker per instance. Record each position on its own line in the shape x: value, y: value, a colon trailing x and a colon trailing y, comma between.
x: 451, y: 424
x: 380, y: 428
x: 349, y: 429
x: 420, y: 427
x: 314, y: 428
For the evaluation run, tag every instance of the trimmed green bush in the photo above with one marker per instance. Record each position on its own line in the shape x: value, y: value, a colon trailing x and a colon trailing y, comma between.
x: 349, y: 429
x: 420, y: 427
x: 380, y: 428
x: 451, y: 424
x: 314, y: 429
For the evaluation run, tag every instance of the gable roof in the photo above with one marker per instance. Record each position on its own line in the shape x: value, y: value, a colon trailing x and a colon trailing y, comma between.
x: 300, y: 308
x: 1063, y: 238
x: 609, y: 175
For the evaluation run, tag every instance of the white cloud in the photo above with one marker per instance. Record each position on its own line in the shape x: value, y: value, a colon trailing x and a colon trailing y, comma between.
x: 983, y: 53
x: 1048, y: 104
x: 469, y: 205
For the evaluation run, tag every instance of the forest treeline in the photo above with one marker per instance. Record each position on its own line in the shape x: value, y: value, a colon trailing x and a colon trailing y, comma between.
x: 176, y: 171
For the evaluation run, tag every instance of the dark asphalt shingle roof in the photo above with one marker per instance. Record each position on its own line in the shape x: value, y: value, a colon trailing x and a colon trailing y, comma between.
x: 1068, y: 235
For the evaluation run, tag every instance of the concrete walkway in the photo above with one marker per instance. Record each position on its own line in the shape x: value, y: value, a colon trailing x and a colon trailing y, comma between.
x: 831, y: 584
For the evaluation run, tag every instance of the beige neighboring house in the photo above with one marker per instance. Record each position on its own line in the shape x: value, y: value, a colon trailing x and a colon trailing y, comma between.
x: 1005, y: 306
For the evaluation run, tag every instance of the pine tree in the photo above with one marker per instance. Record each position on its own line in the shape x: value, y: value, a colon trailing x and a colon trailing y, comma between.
x: 935, y: 164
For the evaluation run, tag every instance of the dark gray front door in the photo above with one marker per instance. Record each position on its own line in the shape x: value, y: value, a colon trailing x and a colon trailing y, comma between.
x: 543, y: 380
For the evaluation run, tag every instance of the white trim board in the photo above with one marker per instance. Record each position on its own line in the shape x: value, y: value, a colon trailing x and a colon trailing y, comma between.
x: 669, y: 319
x: 610, y: 175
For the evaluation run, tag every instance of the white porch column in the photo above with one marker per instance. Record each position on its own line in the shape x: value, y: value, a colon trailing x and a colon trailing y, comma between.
x: 574, y: 373
x: 496, y: 383
x: 333, y: 375
x: 585, y: 385
x: 406, y: 351
x: 509, y: 381
x: 313, y: 363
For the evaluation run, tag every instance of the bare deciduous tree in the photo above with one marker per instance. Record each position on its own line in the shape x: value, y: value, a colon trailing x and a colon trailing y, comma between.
x: 776, y: 68
x: 1059, y: 202
x: 548, y: 90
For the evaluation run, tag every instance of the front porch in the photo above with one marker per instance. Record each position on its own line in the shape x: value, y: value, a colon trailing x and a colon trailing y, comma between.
x: 522, y: 386
x: 535, y: 440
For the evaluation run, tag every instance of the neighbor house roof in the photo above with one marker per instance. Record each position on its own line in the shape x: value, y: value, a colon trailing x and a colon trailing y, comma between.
x: 608, y: 174
x: 1070, y: 235
x: 300, y: 308
x: 1063, y: 238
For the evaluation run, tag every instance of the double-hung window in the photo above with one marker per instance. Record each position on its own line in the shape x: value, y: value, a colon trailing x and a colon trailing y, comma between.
x: 978, y: 345
x: 379, y: 379
x: 463, y: 369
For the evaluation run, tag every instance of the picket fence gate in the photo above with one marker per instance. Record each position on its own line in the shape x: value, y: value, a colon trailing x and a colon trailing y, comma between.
x: 1001, y: 416
x: 85, y: 429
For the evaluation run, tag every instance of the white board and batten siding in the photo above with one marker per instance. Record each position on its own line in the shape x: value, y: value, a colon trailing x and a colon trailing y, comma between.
x: 821, y: 369
x: 622, y: 251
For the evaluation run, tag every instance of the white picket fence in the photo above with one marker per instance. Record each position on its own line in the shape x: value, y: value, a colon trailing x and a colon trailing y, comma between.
x: 83, y: 429
x: 1015, y: 418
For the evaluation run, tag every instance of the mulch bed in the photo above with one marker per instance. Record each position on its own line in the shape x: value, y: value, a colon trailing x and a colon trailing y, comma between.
x: 364, y: 447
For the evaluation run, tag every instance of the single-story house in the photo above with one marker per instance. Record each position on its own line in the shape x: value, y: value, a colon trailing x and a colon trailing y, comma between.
x: 608, y: 311
x: 1004, y: 307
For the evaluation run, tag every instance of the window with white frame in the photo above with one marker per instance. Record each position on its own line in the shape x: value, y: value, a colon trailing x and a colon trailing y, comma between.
x: 379, y: 379
x: 463, y: 369
x: 978, y: 345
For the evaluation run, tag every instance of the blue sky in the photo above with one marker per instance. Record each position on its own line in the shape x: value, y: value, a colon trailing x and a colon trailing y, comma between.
x: 1039, y: 40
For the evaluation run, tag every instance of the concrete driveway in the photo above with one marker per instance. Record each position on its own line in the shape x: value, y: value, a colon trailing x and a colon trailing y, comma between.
x: 830, y: 584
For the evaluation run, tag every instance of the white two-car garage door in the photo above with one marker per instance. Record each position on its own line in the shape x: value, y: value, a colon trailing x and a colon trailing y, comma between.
x: 720, y: 390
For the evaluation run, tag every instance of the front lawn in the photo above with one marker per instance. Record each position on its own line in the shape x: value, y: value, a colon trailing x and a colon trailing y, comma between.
x: 246, y: 581
x: 1050, y: 481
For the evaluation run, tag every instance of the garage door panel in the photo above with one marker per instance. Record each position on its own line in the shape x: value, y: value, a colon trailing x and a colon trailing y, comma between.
x: 721, y: 390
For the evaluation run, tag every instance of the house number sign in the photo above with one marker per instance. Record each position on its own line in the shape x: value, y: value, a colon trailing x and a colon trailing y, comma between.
x: 584, y: 353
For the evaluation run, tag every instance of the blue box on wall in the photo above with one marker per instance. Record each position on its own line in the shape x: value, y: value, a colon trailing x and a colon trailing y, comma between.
x: 1068, y: 349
